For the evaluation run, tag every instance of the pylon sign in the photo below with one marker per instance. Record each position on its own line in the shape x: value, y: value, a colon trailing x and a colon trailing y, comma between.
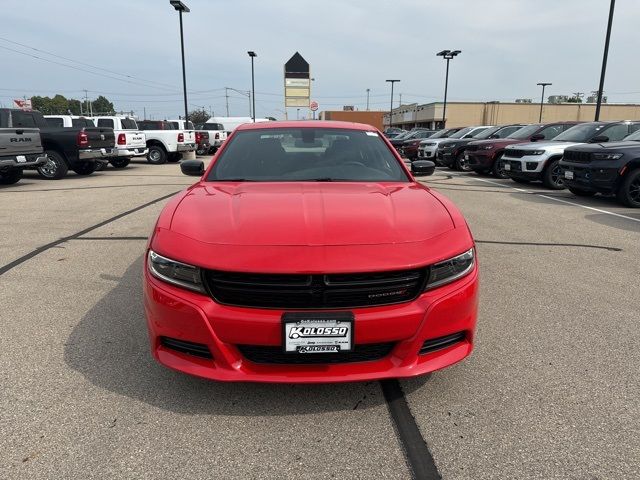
x: 297, y: 82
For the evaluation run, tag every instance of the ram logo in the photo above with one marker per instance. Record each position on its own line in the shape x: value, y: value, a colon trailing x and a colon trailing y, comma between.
x: 20, y: 139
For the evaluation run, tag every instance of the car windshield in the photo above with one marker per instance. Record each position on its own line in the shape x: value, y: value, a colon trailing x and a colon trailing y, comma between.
x: 128, y: 124
x: 307, y: 155
x: 461, y: 133
x: 482, y: 132
x: 524, y: 132
x: 403, y: 136
x: 441, y: 133
x: 635, y: 136
x: 580, y: 133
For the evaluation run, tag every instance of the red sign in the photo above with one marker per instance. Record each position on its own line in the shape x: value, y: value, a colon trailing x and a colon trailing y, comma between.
x: 22, y: 104
x: 313, y: 106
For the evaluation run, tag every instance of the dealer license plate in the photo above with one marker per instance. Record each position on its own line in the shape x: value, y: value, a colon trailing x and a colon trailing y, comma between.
x: 507, y: 166
x: 466, y: 156
x: 568, y: 174
x: 317, y: 332
x: 21, y: 159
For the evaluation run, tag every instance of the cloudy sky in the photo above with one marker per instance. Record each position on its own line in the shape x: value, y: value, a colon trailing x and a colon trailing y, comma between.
x: 507, y: 47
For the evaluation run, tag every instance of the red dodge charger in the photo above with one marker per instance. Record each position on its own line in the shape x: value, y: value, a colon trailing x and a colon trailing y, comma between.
x: 307, y: 252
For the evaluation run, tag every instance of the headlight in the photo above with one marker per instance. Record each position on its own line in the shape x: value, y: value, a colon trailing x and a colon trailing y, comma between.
x: 450, y: 270
x: 487, y: 147
x: 177, y: 273
x: 536, y: 152
x: 607, y: 156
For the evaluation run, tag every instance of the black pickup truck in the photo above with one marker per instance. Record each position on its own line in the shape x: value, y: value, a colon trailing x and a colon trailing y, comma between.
x: 19, y: 148
x: 75, y: 148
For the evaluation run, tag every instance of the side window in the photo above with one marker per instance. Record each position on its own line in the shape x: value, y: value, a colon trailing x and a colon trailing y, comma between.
x: 505, y: 132
x: 23, y: 119
x: 634, y: 127
x: 616, y: 132
x: 551, y: 131
x: 105, y: 122
x: 54, y: 122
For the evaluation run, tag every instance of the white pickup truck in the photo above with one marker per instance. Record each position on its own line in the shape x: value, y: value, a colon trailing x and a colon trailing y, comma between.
x: 130, y: 141
x: 165, y: 142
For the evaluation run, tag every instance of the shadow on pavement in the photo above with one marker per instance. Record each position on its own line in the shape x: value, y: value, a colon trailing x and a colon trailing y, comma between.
x: 109, y: 347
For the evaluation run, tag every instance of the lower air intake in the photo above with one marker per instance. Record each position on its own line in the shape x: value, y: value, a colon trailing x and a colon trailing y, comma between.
x: 275, y: 355
x: 190, y: 348
x: 439, y: 343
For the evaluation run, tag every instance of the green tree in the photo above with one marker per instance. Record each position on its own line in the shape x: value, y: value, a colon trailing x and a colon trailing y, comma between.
x: 574, y: 100
x: 198, y: 116
x: 102, y: 105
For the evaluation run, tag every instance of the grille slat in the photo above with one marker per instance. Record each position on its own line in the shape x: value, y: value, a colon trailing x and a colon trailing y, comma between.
x: 577, y: 157
x: 315, y: 291
x: 439, y: 343
x: 275, y: 355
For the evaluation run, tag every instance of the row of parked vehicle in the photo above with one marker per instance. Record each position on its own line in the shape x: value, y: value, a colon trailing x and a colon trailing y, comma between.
x: 55, y: 144
x: 587, y: 158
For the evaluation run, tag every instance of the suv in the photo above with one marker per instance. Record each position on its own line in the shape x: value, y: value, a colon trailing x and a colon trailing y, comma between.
x: 409, y: 146
x: 427, y: 148
x: 484, y: 156
x: 610, y: 168
x: 19, y: 148
x: 541, y: 160
x: 451, y: 153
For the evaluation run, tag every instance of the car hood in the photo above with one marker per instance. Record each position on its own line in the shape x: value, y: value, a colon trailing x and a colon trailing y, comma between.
x: 300, y: 213
x: 434, y: 140
x: 502, y: 142
x: 551, y: 145
x: 590, y: 147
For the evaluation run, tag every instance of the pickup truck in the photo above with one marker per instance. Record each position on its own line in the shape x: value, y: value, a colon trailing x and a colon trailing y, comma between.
x: 217, y: 134
x: 527, y: 162
x: 165, y: 142
x: 201, y: 137
x: 19, y: 148
x: 74, y: 147
x: 130, y: 141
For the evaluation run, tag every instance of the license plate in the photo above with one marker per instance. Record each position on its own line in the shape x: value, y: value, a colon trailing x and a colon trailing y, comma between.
x: 507, y: 166
x: 466, y: 156
x: 21, y: 159
x: 317, y: 332
x: 568, y: 174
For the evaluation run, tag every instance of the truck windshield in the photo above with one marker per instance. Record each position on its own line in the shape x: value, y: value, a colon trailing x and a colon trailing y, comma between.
x: 580, y: 133
x: 129, y: 124
x: 307, y: 155
x: 81, y: 122
x: 212, y: 126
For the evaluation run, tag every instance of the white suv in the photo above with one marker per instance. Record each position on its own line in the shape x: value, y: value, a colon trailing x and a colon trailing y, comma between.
x: 429, y: 146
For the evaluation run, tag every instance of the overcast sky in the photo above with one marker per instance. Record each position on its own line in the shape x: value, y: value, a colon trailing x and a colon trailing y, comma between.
x: 507, y: 47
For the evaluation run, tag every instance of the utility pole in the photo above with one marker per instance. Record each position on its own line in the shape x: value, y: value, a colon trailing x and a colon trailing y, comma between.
x: 578, y: 95
x: 226, y: 94
x: 400, y: 101
x: 145, y: 113
x: 368, y: 99
x: 392, y: 82
x: 612, y: 6
x: 543, y: 85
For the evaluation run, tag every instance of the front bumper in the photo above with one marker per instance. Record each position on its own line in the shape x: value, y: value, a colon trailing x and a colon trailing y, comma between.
x: 597, y: 176
x: 480, y: 160
x: 446, y: 157
x: 33, y: 160
x: 94, y: 153
x: 184, y: 315
x: 427, y: 152
x: 186, y: 147
x: 131, y: 151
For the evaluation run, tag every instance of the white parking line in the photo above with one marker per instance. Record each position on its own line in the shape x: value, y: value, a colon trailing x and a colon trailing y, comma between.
x: 555, y: 199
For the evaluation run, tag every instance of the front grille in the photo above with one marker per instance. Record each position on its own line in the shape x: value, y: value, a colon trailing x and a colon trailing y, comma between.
x: 577, y: 157
x: 514, y: 153
x: 360, y: 353
x: 439, y: 343
x: 292, y: 291
x: 191, y: 348
x: 515, y: 166
x: 471, y: 148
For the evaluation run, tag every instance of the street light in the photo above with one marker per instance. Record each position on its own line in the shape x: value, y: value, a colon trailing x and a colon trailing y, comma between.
x: 447, y: 55
x: 181, y: 7
x: 253, y: 86
x: 368, y: 99
x: 543, y: 85
x: 298, y: 114
x: 604, y: 59
x: 391, y: 109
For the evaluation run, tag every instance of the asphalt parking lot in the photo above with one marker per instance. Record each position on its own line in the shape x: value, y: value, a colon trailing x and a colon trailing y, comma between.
x: 551, y: 390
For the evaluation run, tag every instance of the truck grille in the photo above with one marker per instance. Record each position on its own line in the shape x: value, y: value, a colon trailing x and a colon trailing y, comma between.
x: 361, y: 353
x: 293, y: 291
x: 577, y: 157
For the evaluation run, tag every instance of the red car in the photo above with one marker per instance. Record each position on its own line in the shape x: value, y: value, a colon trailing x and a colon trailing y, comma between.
x: 307, y: 252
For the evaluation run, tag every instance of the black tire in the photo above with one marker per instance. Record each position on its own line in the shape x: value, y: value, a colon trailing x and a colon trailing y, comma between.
x: 461, y: 163
x: 498, y: 170
x: 55, y: 168
x: 552, y: 176
x: 581, y: 193
x: 629, y: 191
x: 120, y: 162
x: 520, y: 180
x: 157, y: 155
x: 201, y: 151
x: 100, y: 166
x: 84, y: 168
x: 10, y: 177
x: 174, y: 157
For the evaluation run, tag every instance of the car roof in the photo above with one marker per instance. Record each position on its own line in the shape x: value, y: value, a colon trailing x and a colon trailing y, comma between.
x: 305, y: 124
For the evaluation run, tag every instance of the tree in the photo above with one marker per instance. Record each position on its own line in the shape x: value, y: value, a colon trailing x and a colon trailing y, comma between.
x: 198, y: 116
x: 102, y: 105
x: 59, y: 105
x: 574, y: 100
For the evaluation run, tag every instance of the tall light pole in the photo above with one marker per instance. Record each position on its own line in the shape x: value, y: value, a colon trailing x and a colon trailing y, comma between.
x: 181, y: 7
x: 543, y: 85
x: 297, y: 114
x: 391, y: 109
x: 447, y: 55
x: 604, y: 59
x: 253, y: 85
x: 368, y: 99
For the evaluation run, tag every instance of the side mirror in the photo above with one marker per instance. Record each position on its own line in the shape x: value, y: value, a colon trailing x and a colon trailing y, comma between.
x: 537, y: 137
x: 600, y: 139
x: 423, y: 168
x: 194, y: 168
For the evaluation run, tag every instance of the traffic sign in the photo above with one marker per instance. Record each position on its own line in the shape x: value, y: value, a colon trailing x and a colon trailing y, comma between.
x: 313, y: 106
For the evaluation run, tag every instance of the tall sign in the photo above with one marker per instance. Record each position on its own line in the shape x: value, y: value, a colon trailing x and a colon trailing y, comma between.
x: 22, y: 104
x: 297, y: 82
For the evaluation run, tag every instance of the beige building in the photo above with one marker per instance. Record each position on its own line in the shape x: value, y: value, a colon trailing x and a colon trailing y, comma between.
x: 461, y: 114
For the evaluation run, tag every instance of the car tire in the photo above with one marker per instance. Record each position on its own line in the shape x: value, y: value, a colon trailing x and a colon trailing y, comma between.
x: 581, y: 193
x: 55, y: 168
x: 461, y: 164
x: 629, y: 191
x: 157, y: 155
x: 498, y: 170
x: 201, y: 151
x: 10, y: 177
x: 552, y: 176
x: 120, y: 162
x: 100, y: 166
x: 84, y: 168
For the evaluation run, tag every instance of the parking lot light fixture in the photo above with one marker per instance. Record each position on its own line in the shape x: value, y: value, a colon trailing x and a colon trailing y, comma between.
x: 253, y: 55
x: 391, y: 109
x: 181, y: 7
x: 448, y: 55
x: 612, y: 6
x: 543, y: 85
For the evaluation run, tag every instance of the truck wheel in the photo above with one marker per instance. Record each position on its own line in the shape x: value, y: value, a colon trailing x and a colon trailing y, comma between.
x: 552, y: 176
x: 461, y: 163
x: 100, y: 166
x: 55, y: 168
x: 84, y: 168
x: 11, y: 176
x: 120, y: 162
x: 629, y: 192
x: 498, y: 170
x: 157, y: 155
x: 581, y: 193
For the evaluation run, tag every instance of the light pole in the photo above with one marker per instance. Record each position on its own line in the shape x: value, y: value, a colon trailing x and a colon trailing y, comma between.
x: 368, y: 99
x: 543, y: 85
x: 253, y: 85
x: 181, y: 7
x: 604, y: 59
x: 297, y: 114
x: 447, y: 55
x: 391, y: 109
